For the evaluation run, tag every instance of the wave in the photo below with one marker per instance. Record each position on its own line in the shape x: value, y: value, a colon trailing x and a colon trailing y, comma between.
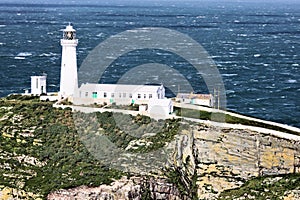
x: 24, y: 54
x: 282, y: 33
x: 229, y: 75
x: 291, y: 81
x: 19, y: 58
x: 48, y: 54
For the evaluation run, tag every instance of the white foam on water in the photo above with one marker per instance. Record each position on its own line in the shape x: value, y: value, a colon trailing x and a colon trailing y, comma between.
x: 229, y: 75
x: 24, y: 54
x: 19, y: 58
x: 100, y: 35
x: 48, y: 54
x: 241, y: 48
x: 291, y: 81
x: 230, y: 92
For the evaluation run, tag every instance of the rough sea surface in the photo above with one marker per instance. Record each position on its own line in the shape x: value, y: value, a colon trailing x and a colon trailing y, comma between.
x: 256, y: 46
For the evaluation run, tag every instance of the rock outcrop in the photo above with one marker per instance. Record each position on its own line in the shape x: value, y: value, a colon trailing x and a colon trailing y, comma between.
x: 212, y: 158
x: 132, y: 188
x: 224, y: 158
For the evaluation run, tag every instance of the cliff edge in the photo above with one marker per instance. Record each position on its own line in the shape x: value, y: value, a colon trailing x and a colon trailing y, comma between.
x: 43, y: 155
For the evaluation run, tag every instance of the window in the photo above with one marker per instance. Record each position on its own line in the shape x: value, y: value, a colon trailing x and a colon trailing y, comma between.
x: 94, y: 95
x: 120, y: 95
x: 150, y: 96
x: 130, y: 95
x: 145, y: 96
x: 105, y: 95
x: 124, y: 95
x: 139, y: 96
x: 86, y: 94
x: 37, y: 83
x: 112, y: 95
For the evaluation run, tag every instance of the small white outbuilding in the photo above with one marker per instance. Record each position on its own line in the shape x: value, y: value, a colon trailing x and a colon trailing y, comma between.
x: 38, y: 85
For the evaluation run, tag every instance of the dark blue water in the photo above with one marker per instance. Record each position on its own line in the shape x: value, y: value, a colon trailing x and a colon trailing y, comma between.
x: 255, y: 46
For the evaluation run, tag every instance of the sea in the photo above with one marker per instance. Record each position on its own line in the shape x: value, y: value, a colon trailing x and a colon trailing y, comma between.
x: 255, y: 46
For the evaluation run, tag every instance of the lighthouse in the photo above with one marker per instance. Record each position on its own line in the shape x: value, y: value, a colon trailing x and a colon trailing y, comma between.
x: 68, y: 75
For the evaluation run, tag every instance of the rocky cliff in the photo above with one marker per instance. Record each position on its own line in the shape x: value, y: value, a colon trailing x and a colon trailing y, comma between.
x: 125, y: 188
x: 43, y: 155
x: 212, y: 158
x: 224, y: 158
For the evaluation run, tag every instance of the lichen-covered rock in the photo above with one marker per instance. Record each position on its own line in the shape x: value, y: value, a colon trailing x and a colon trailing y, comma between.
x: 127, y: 189
x: 7, y: 193
x: 292, y: 195
x: 225, y: 158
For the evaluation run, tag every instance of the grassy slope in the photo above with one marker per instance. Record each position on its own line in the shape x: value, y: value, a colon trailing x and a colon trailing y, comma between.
x: 204, y: 115
x: 54, y: 142
x: 270, y: 187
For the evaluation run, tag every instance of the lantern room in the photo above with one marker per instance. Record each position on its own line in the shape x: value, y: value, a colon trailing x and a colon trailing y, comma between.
x: 69, y: 33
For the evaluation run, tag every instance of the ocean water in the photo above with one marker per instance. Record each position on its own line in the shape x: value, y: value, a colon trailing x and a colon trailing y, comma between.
x: 256, y: 46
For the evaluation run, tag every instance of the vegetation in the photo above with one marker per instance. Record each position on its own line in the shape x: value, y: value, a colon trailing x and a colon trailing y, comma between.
x: 133, y: 107
x: 221, y: 117
x: 186, y: 185
x: 269, y: 187
x: 40, y: 150
x: 18, y: 97
x: 123, y: 130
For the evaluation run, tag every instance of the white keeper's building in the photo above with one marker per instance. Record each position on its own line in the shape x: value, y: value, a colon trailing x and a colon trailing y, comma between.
x: 117, y: 93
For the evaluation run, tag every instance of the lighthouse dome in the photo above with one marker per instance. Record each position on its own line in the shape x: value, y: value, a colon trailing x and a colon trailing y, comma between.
x: 69, y: 28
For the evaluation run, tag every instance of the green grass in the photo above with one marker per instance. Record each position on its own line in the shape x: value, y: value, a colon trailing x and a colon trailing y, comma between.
x: 68, y: 163
x: 262, y: 188
x: 185, y: 184
x: 221, y: 117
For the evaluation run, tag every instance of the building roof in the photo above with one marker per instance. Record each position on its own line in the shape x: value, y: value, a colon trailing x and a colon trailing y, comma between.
x: 119, y: 88
x: 194, y: 96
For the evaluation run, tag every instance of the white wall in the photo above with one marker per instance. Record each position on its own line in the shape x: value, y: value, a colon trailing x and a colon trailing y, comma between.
x: 90, y: 94
x: 160, y: 108
x: 38, y: 85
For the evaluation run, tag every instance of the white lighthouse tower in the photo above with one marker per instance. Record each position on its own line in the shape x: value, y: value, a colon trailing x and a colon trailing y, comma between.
x: 68, y: 76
